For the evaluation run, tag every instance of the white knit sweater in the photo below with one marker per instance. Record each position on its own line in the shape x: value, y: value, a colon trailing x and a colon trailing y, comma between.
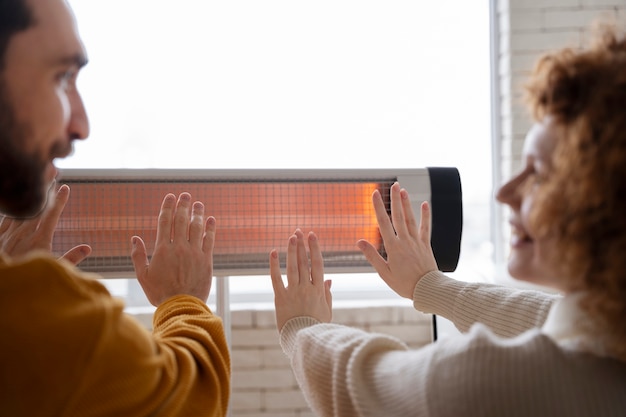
x: 503, y: 365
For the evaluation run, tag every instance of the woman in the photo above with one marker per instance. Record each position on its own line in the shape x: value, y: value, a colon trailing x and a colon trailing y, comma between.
x: 522, y: 353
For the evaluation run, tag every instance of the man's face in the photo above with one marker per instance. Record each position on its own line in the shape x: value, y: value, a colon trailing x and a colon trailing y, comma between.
x: 41, y: 111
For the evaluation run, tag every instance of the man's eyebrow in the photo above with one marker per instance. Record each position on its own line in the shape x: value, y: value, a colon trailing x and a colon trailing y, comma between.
x: 79, y: 60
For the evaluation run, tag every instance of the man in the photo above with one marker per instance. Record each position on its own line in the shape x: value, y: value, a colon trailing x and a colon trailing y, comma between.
x: 67, y: 347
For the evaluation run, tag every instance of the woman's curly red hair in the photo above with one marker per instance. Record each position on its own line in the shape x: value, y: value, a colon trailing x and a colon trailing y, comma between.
x: 583, y: 204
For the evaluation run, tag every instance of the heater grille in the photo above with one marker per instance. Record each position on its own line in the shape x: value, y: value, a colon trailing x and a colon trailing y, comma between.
x: 256, y: 211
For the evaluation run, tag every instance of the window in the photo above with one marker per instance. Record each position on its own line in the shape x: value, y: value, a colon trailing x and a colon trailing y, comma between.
x: 292, y: 84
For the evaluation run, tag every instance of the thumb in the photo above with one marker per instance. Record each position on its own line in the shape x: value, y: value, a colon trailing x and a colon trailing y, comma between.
x: 77, y: 254
x: 373, y: 257
x: 139, y: 256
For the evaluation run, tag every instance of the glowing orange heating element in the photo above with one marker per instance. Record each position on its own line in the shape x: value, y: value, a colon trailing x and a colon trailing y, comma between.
x: 252, y: 217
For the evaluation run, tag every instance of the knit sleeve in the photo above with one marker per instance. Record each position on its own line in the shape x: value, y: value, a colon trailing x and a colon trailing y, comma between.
x: 334, y: 364
x: 182, y: 368
x: 70, y: 350
x: 506, y: 311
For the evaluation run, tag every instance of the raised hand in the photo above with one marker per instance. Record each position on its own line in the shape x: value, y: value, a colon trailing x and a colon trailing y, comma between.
x: 182, y: 262
x: 306, y: 293
x: 21, y: 236
x: 409, y: 253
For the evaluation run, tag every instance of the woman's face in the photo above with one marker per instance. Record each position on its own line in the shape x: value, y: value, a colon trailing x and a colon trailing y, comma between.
x: 532, y: 258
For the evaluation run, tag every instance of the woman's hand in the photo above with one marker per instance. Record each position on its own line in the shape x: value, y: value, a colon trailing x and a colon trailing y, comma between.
x: 409, y: 253
x: 306, y: 293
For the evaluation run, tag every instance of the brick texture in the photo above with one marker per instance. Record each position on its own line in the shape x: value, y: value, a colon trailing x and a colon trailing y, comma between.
x: 263, y: 383
x: 528, y: 29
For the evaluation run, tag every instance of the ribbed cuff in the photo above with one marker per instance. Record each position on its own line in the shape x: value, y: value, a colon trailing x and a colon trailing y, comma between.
x: 436, y: 293
x: 290, y: 330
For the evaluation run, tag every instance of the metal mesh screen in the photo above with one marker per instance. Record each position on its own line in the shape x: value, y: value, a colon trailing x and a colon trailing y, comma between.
x: 253, y: 217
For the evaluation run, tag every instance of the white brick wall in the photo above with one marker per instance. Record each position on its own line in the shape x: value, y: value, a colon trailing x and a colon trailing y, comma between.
x: 263, y: 384
x: 527, y: 29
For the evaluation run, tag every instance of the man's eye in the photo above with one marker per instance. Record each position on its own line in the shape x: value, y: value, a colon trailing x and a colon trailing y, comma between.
x: 65, y: 78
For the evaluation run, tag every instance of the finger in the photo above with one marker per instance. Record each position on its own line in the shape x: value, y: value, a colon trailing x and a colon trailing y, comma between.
x: 50, y: 217
x: 181, y: 218
x: 303, y: 260
x: 277, y: 280
x: 139, y: 256
x: 17, y: 232
x: 411, y: 222
x: 373, y: 257
x: 24, y: 227
x: 425, y: 223
x: 77, y: 254
x: 397, y: 211
x: 209, y: 235
x: 317, y: 262
x: 292, y: 261
x: 384, y: 222
x: 164, y: 228
x: 197, y: 224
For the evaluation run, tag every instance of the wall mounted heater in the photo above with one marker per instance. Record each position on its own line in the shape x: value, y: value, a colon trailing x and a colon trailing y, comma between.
x: 256, y: 211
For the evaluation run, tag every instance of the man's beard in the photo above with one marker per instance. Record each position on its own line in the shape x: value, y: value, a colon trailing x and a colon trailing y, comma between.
x: 23, y: 191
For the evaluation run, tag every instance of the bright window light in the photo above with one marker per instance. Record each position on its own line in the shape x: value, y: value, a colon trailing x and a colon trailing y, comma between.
x: 293, y: 84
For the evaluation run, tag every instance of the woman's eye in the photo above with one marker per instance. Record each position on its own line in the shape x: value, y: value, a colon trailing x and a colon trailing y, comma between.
x: 539, y: 177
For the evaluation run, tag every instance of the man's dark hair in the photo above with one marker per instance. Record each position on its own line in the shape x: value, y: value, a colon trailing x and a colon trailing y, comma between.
x: 15, y: 16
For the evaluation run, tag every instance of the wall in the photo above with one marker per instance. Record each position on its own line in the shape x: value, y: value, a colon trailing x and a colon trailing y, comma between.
x: 262, y: 382
x: 527, y: 29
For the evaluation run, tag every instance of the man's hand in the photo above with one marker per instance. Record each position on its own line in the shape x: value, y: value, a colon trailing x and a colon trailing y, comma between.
x: 409, y: 253
x: 182, y: 262
x: 306, y: 294
x: 18, y: 237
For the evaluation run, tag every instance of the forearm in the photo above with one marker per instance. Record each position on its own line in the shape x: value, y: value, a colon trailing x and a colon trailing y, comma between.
x: 195, y: 339
x: 338, y: 370
x: 182, y: 368
x: 507, y: 311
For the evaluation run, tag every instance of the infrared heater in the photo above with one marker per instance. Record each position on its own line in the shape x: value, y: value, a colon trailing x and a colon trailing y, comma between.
x: 256, y: 211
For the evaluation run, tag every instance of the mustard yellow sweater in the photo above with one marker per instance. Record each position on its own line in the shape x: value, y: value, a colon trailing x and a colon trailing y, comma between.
x: 68, y: 349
